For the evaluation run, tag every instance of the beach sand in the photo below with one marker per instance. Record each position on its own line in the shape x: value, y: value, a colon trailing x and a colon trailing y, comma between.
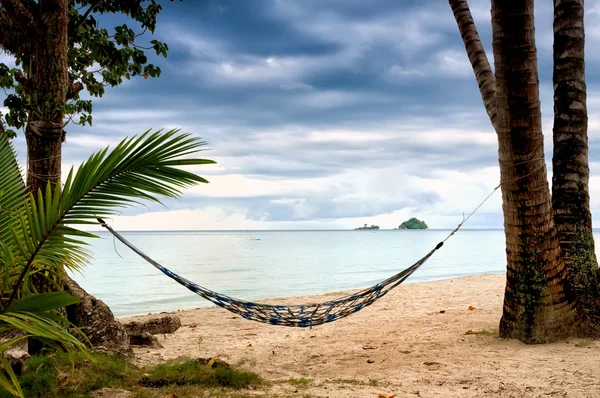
x: 411, y: 343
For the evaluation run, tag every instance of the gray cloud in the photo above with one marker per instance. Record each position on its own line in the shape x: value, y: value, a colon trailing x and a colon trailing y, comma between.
x: 296, y: 90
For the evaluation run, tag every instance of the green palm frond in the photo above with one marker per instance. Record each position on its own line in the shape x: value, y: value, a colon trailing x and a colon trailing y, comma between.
x: 38, y: 231
x: 137, y: 169
x: 35, y: 317
x: 12, y: 188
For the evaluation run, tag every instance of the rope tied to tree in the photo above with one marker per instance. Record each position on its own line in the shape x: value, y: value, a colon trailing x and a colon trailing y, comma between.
x: 47, y: 129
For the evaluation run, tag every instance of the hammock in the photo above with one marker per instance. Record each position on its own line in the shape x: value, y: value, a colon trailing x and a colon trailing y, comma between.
x: 305, y: 315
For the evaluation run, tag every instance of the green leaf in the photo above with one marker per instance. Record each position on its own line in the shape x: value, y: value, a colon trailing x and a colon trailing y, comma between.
x: 13, y: 387
x: 42, y: 302
x: 96, y: 56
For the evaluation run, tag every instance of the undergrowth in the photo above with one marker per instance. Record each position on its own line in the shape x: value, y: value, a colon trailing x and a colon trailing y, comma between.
x: 74, y: 376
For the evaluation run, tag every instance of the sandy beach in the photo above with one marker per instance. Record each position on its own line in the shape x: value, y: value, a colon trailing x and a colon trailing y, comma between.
x: 421, y: 340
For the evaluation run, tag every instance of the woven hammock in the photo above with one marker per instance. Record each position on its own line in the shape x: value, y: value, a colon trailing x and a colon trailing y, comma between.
x: 302, y: 315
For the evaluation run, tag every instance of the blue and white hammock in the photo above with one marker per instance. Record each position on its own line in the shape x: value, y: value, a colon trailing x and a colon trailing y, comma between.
x: 302, y: 315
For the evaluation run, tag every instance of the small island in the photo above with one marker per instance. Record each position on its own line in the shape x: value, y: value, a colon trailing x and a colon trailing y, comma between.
x: 413, y: 223
x: 367, y: 227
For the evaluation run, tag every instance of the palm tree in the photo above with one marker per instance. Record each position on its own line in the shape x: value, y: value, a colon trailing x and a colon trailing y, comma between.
x: 536, y: 308
x: 540, y: 304
x: 571, y: 172
x: 39, y: 234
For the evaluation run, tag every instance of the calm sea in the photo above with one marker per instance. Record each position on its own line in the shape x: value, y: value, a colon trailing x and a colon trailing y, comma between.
x: 266, y: 264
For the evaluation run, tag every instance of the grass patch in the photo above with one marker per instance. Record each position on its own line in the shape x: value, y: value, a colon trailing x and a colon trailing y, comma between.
x: 61, y: 375
x: 301, y: 382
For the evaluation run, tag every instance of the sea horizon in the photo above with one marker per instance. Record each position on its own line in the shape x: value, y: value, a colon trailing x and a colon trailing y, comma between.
x: 296, y: 230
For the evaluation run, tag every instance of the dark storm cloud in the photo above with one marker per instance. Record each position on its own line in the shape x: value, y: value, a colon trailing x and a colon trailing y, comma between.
x: 262, y: 80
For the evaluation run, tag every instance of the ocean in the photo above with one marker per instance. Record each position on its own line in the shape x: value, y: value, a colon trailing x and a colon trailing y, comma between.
x: 254, y: 265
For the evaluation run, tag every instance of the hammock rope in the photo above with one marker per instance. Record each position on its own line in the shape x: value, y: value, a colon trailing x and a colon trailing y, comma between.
x: 300, y: 315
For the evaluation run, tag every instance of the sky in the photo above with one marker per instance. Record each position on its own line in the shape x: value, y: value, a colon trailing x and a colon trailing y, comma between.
x: 325, y: 114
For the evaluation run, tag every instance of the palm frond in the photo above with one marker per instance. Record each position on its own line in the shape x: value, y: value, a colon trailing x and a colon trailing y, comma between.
x: 137, y: 169
x: 34, y: 315
x: 12, y: 189
x: 38, y: 234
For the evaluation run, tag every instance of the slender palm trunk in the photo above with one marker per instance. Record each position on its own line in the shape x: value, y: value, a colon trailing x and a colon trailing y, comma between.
x: 477, y: 57
x: 536, y: 308
x: 570, y: 180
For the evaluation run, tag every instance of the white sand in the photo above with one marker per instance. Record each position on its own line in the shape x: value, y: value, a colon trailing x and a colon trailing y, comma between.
x: 402, y: 342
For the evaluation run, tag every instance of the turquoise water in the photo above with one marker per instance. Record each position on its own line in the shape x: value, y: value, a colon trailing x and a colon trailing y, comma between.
x: 280, y: 264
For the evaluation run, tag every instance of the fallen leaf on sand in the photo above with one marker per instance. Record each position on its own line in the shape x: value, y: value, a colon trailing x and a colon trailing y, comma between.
x: 383, y: 395
x: 471, y: 308
x: 370, y: 361
x: 369, y: 347
x: 249, y: 344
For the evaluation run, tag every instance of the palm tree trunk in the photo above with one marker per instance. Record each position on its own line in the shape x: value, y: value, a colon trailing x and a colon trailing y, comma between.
x: 477, y: 57
x: 570, y: 180
x: 536, y: 308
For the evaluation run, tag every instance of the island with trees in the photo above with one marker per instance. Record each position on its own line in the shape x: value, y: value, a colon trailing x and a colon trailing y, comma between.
x: 367, y: 227
x: 413, y: 223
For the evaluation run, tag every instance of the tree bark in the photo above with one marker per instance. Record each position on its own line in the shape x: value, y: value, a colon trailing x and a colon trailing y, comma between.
x: 536, y: 308
x: 49, y: 79
x: 570, y: 180
x: 477, y: 57
x: 48, y: 82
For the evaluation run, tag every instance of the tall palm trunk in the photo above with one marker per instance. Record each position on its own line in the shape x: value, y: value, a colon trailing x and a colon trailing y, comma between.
x: 570, y: 180
x: 536, y: 308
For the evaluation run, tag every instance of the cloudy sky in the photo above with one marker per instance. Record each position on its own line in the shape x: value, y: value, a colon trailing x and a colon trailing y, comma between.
x: 326, y: 113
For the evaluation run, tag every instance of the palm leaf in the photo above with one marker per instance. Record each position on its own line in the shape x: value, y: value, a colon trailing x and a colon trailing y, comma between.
x: 137, y: 169
x: 37, y: 233
x: 12, y: 190
x: 34, y: 316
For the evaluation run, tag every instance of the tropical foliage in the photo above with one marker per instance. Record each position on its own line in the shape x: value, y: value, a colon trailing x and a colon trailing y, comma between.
x: 413, y: 223
x: 368, y: 227
x: 39, y: 235
x: 97, y: 56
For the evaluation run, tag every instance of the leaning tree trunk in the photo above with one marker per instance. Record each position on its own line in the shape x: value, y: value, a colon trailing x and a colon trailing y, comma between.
x: 49, y: 80
x: 571, y: 173
x: 536, y: 308
x: 477, y: 57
